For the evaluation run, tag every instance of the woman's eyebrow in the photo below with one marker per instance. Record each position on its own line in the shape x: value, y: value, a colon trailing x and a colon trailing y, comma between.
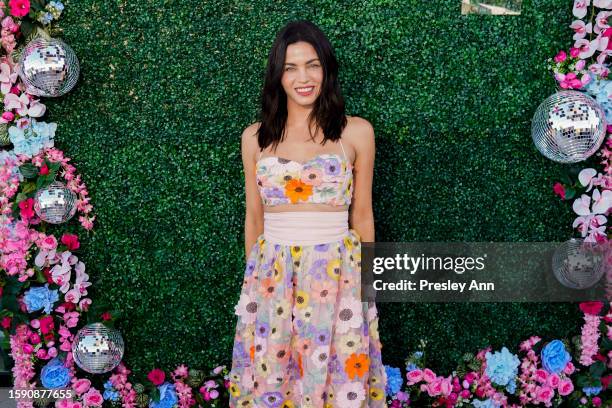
x: 308, y: 62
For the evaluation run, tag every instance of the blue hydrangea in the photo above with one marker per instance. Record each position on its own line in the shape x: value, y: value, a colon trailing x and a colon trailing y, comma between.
x: 109, y: 392
x: 40, y: 297
x: 45, y: 18
x: 600, y: 89
x: 167, y: 396
x: 58, y: 5
x: 502, y: 367
x: 394, y: 380
x: 488, y: 403
x: 511, y: 387
x: 32, y: 139
x: 54, y: 374
x: 590, y: 391
x: 555, y: 357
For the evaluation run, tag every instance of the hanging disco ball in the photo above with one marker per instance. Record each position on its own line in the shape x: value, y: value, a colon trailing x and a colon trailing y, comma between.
x: 55, y: 204
x: 97, y: 348
x: 48, y: 67
x: 568, y: 127
x: 578, y: 264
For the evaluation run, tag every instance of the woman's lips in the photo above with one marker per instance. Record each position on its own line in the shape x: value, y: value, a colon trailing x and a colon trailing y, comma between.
x: 305, y: 91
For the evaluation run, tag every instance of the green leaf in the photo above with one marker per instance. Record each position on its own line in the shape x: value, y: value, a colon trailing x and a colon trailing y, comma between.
x: 26, y: 27
x: 583, y: 381
x: 569, y: 193
x: 29, y: 188
x: 28, y: 170
x: 606, y: 344
x: 597, y: 369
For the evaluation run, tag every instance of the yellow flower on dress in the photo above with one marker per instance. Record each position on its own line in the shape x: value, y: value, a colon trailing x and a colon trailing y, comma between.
x: 350, y: 343
x: 247, y: 402
x: 348, y: 243
x: 376, y: 394
x: 296, y: 252
x: 288, y: 404
x: 301, y: 299
x: 333, y: 269
x: 234, y: 390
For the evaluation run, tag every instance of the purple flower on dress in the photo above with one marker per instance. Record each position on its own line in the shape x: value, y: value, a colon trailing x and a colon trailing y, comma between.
x: 321, y: 247
x: 263, y: 329
x: 332, y: 167
x: 318, y: 269
x: 274, y: 192
x: 241, y: 358
x: 272, y: 399
x: 250, y: 267
x: 365, y: 328
x: 322, y: 337
x: 333, y: 365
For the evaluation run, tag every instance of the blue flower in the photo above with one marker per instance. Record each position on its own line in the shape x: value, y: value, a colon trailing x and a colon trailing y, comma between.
x: 555, y: 357
x: 418, y: 354
x: 40, y: 297
x: 411, y: 367
x: 502, y: 366
x: 58, y: 5
x: 589, y: 391
x: 394, y: 380
x: 45, y: 18
x: 54, y: 374
x: 167, y: 396
x: 488, y: 403
x: 600, y: 89
x: 511, y: 387
x: 32, y: 139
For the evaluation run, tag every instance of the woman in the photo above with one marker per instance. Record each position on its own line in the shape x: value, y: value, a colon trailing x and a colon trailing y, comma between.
x: 304, y: 338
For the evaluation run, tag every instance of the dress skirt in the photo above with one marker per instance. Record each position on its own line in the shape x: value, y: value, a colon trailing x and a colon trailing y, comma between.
x: 304, y: 338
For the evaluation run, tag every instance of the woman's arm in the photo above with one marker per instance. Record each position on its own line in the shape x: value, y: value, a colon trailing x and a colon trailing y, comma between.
x: 361, y: 216
x: 253, y: 220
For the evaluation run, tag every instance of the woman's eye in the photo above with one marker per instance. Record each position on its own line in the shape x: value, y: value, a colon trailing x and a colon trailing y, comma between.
x: 288, y: 68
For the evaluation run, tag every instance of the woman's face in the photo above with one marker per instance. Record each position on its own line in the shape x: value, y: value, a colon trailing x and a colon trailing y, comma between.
x: 302, y: 74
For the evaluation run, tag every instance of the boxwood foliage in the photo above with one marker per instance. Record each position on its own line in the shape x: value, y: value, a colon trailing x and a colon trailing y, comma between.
x: 154, y: 125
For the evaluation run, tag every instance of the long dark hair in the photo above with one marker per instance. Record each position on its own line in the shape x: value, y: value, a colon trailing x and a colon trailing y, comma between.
x: 328, y: 109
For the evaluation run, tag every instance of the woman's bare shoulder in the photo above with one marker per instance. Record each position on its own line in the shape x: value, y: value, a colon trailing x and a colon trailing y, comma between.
x: 249, y: 136
x: 358, y: 131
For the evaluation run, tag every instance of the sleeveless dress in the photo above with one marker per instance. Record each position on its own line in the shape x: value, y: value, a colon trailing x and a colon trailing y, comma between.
x: 304, y: 338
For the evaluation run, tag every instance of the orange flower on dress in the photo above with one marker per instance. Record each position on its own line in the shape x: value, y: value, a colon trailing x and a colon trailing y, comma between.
x: 357, y: 365
x: 297, y: 190
x: 252, y: 352
x: 300, y: 365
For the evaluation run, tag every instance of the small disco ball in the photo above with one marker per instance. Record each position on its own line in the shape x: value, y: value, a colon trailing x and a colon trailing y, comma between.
x: 55, y: 204
x: 48, y: 67
x: 578, y: 264
x: 568, y: 127
x: 97, y: 348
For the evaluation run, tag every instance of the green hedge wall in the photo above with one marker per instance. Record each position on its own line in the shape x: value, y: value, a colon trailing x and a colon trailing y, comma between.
x: 155, y: 122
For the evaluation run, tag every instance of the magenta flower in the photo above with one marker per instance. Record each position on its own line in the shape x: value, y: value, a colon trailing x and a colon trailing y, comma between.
x: 19, y: 8
x: 560, y: 57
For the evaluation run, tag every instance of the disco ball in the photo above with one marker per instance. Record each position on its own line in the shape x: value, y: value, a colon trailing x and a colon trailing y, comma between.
x: 48, y: 67
x: 55, y: 204
x: 578, y: 264
x: 97, y: 348
x: 568, y: 127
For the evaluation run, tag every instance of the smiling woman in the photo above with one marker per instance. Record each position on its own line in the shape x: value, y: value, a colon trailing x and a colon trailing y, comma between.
x: 304, y: 338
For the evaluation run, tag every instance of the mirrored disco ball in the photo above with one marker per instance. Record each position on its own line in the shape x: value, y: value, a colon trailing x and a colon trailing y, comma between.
x: 578, y: 264
x: 48, y: 67
x: 97, y: 349
x: 55, y: 204
x: 568, y: 127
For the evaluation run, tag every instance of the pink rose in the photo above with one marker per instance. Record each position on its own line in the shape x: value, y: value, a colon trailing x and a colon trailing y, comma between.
x: 93, y: 398
x: 81, y: 386
x: 429, y: 375
x: 414, y: 376
x: 8, y: 116
x: 544, y: 394
x: 560, y: 57
x: 48, y: 243
x: 434, y: 388
x: 71, y: 241
x: 553, y: 381
x: 574, y: 52
x: 569, y: 368
x: 566, y: 387
x: 559, y: 190
x: 597, y: 401
x: 156, y: 376
x: 541, y: 376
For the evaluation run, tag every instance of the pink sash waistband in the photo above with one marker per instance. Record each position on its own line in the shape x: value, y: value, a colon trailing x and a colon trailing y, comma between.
x: 305, y: 227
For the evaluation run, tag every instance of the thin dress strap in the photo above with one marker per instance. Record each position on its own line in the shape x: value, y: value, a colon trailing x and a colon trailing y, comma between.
x: 343, y: 152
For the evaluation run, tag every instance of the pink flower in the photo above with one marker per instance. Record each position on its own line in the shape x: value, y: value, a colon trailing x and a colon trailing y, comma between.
x: 156, y: 376
x: 580, y: 65
x: 566, y: 387
x: 593, y: 308
x: 93, y: 398
x: 429, y: 375
x: 596, y: 401
x: 81, y: 386
x: 574, y: 52
x: 553, y: 381
x: 48, y: 243
x: 559, y: 190
x: 7, y: 117
x: 560, y: 57
x: 541, y: 376
x: 19, y: 8
x: 544, y: 394
x: 26, y: 208
x: 569, y: 368
x: 414, y: 376
x: 71, y: 241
